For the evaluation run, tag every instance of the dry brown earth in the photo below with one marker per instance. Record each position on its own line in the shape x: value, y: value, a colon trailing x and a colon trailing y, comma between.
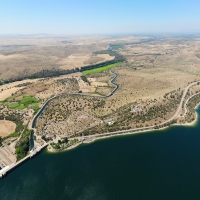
x: 152, y: 70
x: 24, y: 56
x: 6, y: 128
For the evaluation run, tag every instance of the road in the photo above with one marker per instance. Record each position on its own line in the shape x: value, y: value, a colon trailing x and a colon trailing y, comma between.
x: 182, y: 100
x: 145, y: 128
x: 112, y: 93
x: 185, y: 109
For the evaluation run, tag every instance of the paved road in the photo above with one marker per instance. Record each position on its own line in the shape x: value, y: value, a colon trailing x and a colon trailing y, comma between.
x: 149, y: 127
x: 185, y: 108
x: 112, y: 93
x: 182, y: 100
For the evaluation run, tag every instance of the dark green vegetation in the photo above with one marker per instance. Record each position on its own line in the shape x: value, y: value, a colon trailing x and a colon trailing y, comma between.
x: 41, y: 74
x: 84, y: 78
x: 21, y: 131
x: 74, y: 141
x: 157, y: 165
x: 55, y: 145
x: 100, y: 69
x: 46, y: 139
x: 22, y: 146
x: 64, y: 143
x: 1, y: 140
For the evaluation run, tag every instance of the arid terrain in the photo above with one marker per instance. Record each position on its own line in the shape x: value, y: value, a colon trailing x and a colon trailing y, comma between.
x: 151, y: 78
x: 151, y: 83
x: 7, y: 127
x: 25, y: 56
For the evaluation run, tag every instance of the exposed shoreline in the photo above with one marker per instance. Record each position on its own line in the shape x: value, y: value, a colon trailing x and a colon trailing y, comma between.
x: 131, y: 131
x: 93, y: 138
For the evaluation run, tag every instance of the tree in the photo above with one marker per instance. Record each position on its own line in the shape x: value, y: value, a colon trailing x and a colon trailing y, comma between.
x: 65, y: 140
x: 44, y: 138
x: 1, y: 140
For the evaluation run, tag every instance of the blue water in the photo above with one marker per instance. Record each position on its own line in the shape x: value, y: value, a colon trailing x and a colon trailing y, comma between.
x: 157, y: 165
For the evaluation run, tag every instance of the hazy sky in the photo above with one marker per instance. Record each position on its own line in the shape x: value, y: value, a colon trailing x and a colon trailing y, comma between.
x: 98, y: 17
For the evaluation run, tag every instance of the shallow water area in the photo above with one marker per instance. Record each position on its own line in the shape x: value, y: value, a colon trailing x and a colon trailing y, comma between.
x: 155, y: 165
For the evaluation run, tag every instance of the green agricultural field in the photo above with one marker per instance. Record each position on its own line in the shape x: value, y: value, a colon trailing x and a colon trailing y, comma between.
x: 25, y: 103
x: 21, y: 106
x: 117, y: 46
x: 100, y: 69
x: 28, y: 100
x: 16, y: 105
x: 13, y: 105
x: 35, y: 107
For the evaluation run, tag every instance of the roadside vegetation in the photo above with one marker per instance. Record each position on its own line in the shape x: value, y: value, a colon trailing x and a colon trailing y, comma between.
x: 22, y: 146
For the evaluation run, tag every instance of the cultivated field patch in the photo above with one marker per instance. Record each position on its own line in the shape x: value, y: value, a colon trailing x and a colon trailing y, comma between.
x: 100, y: 69
x: 7, y: 127
x: 25, y: 102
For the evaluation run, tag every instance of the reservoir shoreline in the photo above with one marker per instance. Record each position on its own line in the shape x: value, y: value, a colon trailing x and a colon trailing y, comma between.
x: 92, y: 138
x: 162, y: 162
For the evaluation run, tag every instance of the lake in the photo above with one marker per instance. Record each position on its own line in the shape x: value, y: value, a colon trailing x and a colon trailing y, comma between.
x: 157, y: 165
